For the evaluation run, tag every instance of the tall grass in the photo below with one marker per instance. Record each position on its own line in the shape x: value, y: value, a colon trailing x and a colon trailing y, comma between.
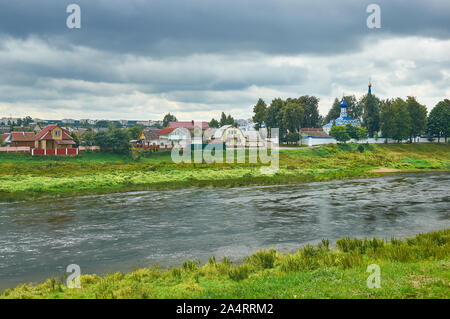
x: 402, y: 261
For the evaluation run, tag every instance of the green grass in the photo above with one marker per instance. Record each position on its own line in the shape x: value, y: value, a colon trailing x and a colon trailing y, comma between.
x: 413, y: 268
x: 25, y: 177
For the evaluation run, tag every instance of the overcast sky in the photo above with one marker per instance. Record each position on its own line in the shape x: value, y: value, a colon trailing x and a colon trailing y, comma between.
x: 139, y: 59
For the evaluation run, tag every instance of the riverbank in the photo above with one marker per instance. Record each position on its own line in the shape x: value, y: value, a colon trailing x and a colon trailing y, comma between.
x: 23, y: 177
x: 417, y: 267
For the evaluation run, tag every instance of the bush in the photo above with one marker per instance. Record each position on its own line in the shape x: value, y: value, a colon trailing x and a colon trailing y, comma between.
x: 263, y: 259
x: 238, y: 273
x: 349, y: 244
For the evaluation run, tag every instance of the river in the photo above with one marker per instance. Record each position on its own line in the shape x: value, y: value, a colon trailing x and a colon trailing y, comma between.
x: 117, y: 232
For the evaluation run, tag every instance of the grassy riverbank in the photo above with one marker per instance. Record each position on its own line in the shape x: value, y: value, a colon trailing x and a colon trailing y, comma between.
x: 417, y: 267
x: 26, y: 177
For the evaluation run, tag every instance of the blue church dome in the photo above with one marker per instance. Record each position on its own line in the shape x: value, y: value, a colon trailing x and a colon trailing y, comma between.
x: 343, y: 103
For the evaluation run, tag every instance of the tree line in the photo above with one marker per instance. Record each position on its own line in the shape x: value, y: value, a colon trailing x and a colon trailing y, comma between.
x: 396, y: 118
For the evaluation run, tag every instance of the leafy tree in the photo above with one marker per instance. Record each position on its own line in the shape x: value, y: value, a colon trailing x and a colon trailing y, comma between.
x: 370, y: 106
x: 352, y: 131
x: 169, y: 118
x: 27, y: 120
x: 274, y: 115
x: 418, y: 115
x: 75, y: 138
x: 439, y: 120
x: 226, y: 120
x: 102, y: 139
x: 340, y: 133
x: 260, y: 110
x: 88, y: 138
x: 102, y: 123
x: 135, y: 131
x: 292, y: 138
x: 334, y: 112
x: 120, y: 141
x: 230, y: 120
x: 223, y: 119
x: 292, y: 117
x: 311, y: 117
x: 402, y: 120
x: 361, y: 133
x: 387, y: 119
x: 214, y: 123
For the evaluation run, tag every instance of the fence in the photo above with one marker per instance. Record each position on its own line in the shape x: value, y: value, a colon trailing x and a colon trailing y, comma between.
x: 20, y: 149
x: 55, y: 152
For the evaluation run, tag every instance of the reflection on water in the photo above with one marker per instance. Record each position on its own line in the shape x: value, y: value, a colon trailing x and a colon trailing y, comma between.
x: 105, y: 233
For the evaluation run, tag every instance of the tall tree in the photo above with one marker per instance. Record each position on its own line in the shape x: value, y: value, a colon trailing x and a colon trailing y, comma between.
x: 418, y: 115
x: 334, y: 112
x: 370, y: 106
x: 213, y: 123
x: 169, y: 118
x: 223, y: 119
x: 340, y: 133
x: 260, y: 110
x: 402, y: 120
x: 230, y: 120
x: 292, y: 117
x: 439, y: 120
x: 135, y: 131
x: 310, y: 106
x: 275, y: 116
x: 387, y: 119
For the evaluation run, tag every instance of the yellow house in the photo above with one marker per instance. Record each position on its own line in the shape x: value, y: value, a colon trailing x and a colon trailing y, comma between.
x: 53, y: 137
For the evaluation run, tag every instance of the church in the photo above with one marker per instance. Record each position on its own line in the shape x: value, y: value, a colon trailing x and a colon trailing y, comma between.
x: 343, y: 119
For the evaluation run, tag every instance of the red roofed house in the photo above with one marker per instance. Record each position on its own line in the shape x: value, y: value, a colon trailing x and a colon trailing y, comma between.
x: 19, y: 139
x: 163, y: 135
x: 53, y: 137
x: 188, y: 125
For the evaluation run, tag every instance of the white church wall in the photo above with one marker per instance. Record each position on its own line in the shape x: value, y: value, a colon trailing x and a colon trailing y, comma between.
x: 312, y: 141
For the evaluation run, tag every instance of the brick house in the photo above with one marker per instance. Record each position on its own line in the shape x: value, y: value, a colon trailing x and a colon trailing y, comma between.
x: 19, y: 139
x: 53, y: 137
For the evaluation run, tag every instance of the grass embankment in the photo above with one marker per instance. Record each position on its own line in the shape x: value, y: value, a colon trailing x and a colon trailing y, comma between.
x: 417, y: 267
x: 26, y: 177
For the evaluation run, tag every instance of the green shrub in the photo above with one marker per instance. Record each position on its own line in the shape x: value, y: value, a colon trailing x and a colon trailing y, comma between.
x: 263, y: 259
x: 350, y: 260
x: 191, y: 265
x: 350, y: 244
x: 238, y: 273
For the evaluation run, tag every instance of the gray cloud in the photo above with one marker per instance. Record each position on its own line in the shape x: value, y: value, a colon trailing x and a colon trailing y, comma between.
x: 140, y: 59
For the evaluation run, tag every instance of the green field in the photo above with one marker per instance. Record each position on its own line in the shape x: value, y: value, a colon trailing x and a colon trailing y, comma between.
x: 416, y: 267
x: 25, y: 177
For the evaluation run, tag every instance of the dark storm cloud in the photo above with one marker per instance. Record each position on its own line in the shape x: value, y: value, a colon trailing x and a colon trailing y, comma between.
x: 168, y: 27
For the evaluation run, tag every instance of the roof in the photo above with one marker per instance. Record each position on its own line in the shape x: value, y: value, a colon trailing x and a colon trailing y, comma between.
x: 165, y: 131
x: 44, y: 134
x: 4, y: 136
x: 189, y: 125
x: 219, y: 132
x: 150, y: 134
x: 313, y: 132
x: 22, y: 136
x: 342, y: 121
x: 65, y: 142
x: 252, y: 135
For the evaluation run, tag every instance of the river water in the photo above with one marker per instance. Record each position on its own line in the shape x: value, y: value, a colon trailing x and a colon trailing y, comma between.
x: 117, y: 232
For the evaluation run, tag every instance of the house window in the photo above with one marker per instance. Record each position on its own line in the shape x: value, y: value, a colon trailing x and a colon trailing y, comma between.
x: 57, y: 133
